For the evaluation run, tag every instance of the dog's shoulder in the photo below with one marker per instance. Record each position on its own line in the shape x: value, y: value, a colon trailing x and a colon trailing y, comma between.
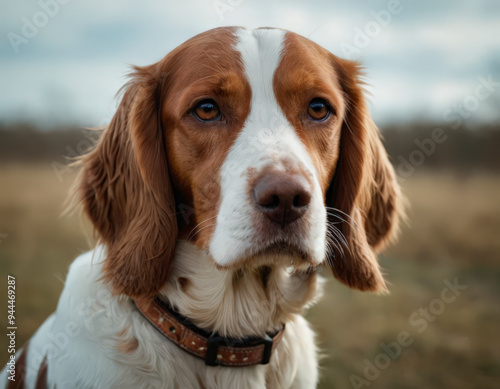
x: 83, y: 288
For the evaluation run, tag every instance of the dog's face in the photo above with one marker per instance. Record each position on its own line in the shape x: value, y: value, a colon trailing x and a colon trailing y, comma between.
x: 255, y: 145
x: 252, y: 142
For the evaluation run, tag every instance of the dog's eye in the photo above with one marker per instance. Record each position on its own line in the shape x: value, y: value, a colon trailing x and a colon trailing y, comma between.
x: 207, y: 111
x: 318, y: 109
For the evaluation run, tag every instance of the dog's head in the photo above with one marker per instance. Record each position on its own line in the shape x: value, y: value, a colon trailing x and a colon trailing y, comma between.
x: 256, y: 145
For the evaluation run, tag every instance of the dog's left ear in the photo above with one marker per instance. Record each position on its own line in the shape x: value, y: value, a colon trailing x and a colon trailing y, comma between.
x: 364, y: 193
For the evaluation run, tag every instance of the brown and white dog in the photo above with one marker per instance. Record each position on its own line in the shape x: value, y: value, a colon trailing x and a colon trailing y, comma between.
x: 233, y: 168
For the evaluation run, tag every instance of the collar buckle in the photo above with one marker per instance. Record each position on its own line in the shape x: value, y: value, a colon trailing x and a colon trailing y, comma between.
x: 268, y: 347
x: 213, y: 343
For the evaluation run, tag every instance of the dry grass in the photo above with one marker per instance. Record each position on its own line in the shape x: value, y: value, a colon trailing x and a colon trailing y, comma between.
x: 454, y: 232
x: 455, y: 225
x: 40, y: 243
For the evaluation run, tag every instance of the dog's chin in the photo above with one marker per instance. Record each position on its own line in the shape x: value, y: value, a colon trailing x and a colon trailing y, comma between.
x: 277, y: 254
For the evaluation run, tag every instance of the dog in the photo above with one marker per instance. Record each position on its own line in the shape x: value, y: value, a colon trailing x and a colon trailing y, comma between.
x: 233, y: 170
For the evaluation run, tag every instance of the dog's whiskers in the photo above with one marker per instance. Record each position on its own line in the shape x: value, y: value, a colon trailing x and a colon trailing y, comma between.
x: 194, y: 231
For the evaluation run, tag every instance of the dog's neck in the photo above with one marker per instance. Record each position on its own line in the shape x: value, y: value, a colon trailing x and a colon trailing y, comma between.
x: 237, y: 303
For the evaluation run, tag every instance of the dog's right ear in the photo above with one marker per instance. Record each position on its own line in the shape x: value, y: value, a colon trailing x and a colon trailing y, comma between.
x: 125, y: 190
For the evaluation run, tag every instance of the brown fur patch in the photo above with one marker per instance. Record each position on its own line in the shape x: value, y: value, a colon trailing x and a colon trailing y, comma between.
x: 303, y: 74
x: 41, y: 379
x: 126, y: 344
x: 184, y: 283
x: 211, y: 68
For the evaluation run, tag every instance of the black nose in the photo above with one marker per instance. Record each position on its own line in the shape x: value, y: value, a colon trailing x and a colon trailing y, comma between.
x: 282, y: 197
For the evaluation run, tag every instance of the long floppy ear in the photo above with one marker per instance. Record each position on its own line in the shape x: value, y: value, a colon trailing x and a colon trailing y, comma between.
x: 125, y: 190
x: 364, y: 191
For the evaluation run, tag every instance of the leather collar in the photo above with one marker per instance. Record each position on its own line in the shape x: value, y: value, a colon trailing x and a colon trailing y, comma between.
x: 214, y: 349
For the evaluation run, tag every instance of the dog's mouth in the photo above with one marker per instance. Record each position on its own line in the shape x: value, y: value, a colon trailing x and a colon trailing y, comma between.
x: 277, y: 253
x: 282, y: 248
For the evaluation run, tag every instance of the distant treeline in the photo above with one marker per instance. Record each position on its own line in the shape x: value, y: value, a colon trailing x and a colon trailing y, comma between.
x: 436, y: 146
x: 410, y: 145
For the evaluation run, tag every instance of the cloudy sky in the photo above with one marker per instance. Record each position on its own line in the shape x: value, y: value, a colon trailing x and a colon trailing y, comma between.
x: 62, y: 61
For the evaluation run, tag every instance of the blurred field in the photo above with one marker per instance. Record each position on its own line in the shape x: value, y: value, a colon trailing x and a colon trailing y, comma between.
x: 455, y: 231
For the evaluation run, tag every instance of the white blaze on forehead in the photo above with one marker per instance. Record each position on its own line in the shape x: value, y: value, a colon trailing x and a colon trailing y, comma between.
x: 261, y: 54
x: 267, y: 138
